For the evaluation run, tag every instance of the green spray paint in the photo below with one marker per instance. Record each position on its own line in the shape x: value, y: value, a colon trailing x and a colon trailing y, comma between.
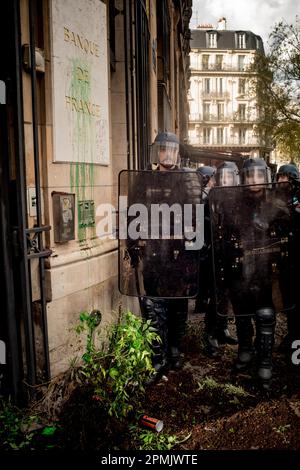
x: 83, y: 131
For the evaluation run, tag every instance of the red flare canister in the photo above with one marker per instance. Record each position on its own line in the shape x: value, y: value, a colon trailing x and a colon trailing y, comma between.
x: 151, y: 423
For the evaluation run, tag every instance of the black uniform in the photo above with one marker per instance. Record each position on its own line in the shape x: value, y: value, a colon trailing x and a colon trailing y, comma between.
x: 168, y: 315
x: 250, y: 247
x: 216, y: 330
x: 166, y: 273
x: 252, y: 291
x: 288, y: 280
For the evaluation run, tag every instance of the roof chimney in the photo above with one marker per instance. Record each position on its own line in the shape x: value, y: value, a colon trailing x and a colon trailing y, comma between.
x: 205, y: 26
x: 221, y: 24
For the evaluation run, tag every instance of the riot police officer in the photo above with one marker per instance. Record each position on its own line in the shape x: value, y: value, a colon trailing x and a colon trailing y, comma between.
x: 207, y: 175
x: 227, y: 174
x: 216, y: 325
x: 289, y: 173
x: 167, y: 315
x: 251, y: 293
x: 207, y: 178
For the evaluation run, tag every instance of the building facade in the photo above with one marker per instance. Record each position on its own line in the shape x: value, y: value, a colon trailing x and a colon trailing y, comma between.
x: 84, y: 88
x: 223, y: 107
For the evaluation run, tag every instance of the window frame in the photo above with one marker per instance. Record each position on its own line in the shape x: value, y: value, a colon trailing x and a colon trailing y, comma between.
x: 212, y: 40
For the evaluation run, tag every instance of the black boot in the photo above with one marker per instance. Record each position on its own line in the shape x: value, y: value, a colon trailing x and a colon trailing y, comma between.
x: 155, y: 311
x: 245, y: 332
x: 221, y: 329
x: 265, y: 318
x: 175, y: 358
x: 244, y: 358
x: 177, y: 318
x: 211, y: 346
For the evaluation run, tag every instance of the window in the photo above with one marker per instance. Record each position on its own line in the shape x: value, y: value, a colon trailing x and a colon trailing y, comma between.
x: 220, y: 135
x: 163, y: 42
x: 241, y: 62
x: 212, y: 39
x: 205, y: 59
x: 242, y: 136
x: 206, y: 111
x: 220, y: 110
x: 241, y: 40
x: 219, y: 62
x: 242, y: 86
x: 219, y: 85
x: 194, y: 60
x: 242, y: 112
x: 207, y: 85
x: 112, y: 34
x: 206, y: 135
x: 258, y: 44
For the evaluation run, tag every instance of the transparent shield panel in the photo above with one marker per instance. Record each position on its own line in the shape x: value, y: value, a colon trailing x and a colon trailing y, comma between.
x: 252, y: 239
x: 160, y: 233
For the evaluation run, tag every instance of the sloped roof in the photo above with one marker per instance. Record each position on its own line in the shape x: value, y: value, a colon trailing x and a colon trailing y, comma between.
x: 226, y: 39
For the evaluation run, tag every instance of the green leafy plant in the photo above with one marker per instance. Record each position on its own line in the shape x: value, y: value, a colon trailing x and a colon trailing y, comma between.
x: 20, y: 430
x: 227, y: 392
x: 282, y: 430
x: 117, y: 375
x: 156, y: 441
x: 15, y: 427
x: 231, y: 389
x: 150, y: 440
x: 208, y: 383
x: 88, y: 323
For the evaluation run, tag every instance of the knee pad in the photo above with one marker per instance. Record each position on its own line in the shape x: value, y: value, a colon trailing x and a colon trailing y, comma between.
x: 265, y: 316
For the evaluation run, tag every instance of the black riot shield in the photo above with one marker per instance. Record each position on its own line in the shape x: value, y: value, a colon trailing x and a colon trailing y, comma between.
x: 251, y: 241
x: 160, y: 233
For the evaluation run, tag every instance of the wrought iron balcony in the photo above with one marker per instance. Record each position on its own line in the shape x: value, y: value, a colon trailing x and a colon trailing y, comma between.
x: 213, y: 95
x: 231, y: 142
x: 232, y: 118
x: 219, y: 67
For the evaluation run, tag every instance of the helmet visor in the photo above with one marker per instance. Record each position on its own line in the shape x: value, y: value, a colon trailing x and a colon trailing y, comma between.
x: 282, y: 177
x: 256, y: 175
x: 227, y: 177
x: 165, y: 153
x: 287, y: 174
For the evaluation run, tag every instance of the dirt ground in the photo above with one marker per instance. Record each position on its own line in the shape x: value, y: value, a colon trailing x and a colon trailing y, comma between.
x: 206, y: 405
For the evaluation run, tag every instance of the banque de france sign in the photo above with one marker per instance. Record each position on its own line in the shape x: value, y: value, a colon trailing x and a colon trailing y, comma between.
x: 80, y: 81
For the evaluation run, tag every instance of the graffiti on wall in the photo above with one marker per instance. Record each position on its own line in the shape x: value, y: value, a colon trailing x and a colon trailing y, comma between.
x: 80, y: 82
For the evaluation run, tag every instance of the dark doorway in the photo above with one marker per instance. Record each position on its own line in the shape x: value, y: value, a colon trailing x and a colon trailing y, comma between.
x: 10, y: 359
x: 24, y: 356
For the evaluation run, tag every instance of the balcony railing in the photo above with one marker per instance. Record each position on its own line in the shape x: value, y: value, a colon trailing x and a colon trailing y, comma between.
x: 220, y: 67
x: 232, y: 142
x: 213, y: 95
x: 232, y: 118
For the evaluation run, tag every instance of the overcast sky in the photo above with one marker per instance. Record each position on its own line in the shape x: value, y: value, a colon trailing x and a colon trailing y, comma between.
x: 258, y: 16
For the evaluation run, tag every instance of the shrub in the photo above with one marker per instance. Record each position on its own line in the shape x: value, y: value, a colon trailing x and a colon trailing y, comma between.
x: 117, y: 375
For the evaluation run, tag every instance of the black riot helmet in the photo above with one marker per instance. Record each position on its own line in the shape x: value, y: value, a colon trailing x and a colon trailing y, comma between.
x: 207, y: 173
x: 255, y: 171
x: 227, y: 174
x: 290, y: 171
x: 165, y: 150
